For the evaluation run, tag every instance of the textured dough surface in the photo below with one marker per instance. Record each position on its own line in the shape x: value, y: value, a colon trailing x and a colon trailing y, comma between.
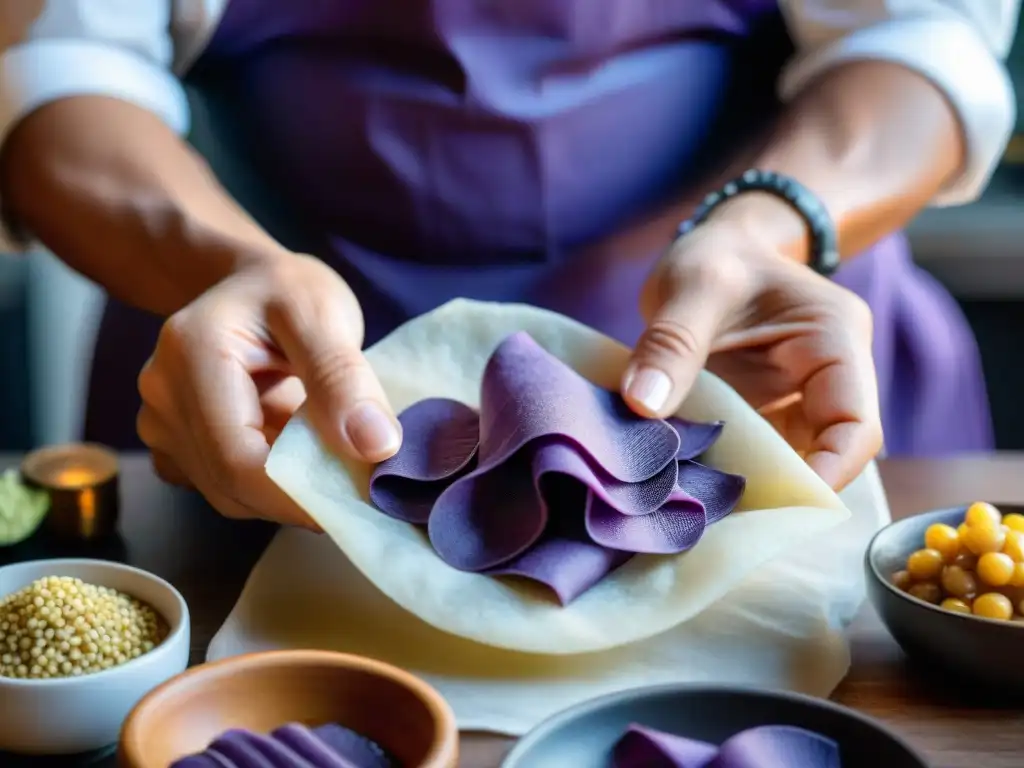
x: 442, y: 354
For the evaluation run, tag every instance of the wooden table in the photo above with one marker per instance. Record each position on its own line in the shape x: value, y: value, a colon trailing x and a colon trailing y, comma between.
x: 175, y: 535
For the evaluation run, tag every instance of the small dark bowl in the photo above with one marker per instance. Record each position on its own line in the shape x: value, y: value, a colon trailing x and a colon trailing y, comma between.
x: 583, y: 736
x: 970, y: 648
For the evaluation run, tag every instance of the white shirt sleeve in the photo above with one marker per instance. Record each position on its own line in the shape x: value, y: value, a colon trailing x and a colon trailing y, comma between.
x: 960, y: 45
x: 125, y: 50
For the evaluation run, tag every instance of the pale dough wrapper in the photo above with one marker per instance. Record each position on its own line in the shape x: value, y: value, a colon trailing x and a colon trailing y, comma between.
x: 443, y: 354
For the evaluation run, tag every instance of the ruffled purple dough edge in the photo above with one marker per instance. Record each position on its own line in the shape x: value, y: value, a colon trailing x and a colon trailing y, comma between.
x: 554, y: 480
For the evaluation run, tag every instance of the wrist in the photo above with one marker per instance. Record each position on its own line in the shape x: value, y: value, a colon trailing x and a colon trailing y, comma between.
x: 199, y: 252
x: 767, y: 221
x: 734, y: 236
x: 248, y: 257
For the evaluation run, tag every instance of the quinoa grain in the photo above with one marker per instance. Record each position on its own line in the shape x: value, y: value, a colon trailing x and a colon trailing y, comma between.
x: 62, y: 627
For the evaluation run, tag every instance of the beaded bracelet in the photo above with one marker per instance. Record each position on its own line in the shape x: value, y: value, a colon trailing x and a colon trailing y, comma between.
x: 824, y: 252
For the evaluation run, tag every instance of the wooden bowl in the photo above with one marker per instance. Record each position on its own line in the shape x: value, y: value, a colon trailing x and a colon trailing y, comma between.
x: 262, y: 691
x: 969, y: 648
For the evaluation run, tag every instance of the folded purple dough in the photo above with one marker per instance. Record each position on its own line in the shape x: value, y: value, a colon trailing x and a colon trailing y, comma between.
x: 642, y: 747
x: 554, y: 480
x: 766, y: 746
x: 316, y: 745
x: 291, y: 746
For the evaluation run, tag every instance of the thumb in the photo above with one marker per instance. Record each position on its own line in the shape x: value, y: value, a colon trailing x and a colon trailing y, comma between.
x: 675, y: 346
x: 321, y: 338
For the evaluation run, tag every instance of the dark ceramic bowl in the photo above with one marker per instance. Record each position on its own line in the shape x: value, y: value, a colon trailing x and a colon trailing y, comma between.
x: 583, y: 736
x: 970, y: 648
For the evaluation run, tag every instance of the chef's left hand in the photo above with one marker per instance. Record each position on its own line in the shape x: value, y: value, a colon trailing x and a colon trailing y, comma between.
x: 794, y: 344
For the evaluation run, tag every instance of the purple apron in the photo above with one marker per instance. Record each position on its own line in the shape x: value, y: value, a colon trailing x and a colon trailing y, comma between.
x: 431, y: 149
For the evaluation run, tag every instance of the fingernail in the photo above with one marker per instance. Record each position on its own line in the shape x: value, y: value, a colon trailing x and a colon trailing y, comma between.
x: 827, y: 466
x: 372, y: 432
x: 650, y: 388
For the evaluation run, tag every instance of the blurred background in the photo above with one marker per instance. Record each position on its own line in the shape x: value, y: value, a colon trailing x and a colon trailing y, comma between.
x: 48, y: 314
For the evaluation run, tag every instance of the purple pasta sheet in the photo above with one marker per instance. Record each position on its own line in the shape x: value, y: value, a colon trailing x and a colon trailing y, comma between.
x: 291, y: 746
x: 554, y: 480
x: 767, y: 746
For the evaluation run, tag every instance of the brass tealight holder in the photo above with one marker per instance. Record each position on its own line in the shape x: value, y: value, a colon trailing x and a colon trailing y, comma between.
x: 81, y: 480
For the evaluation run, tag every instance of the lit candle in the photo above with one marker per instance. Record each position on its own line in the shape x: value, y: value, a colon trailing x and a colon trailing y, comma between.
x: 82, y: 481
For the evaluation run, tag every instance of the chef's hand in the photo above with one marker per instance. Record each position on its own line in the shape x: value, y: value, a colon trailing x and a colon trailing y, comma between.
x: 795, y: 345
x: 231, y: 368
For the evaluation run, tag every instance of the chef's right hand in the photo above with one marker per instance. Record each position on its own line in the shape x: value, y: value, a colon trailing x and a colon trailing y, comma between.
x: 232, y: 367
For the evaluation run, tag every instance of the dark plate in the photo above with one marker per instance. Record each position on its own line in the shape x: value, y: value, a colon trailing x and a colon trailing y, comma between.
x: 970, y: 649
x: 583, y: 737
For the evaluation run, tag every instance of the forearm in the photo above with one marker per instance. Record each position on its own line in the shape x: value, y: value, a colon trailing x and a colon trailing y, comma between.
x: 874, y: 140
x: 119, y: 197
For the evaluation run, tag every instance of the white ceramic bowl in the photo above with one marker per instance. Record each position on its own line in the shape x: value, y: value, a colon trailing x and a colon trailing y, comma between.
x: 65, y: 716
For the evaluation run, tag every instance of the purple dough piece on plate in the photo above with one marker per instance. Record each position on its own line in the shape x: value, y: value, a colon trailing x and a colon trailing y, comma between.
x: 777, y: 746
x: 642, y: 747
x: 766, y: 746
x: 491, y: 488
